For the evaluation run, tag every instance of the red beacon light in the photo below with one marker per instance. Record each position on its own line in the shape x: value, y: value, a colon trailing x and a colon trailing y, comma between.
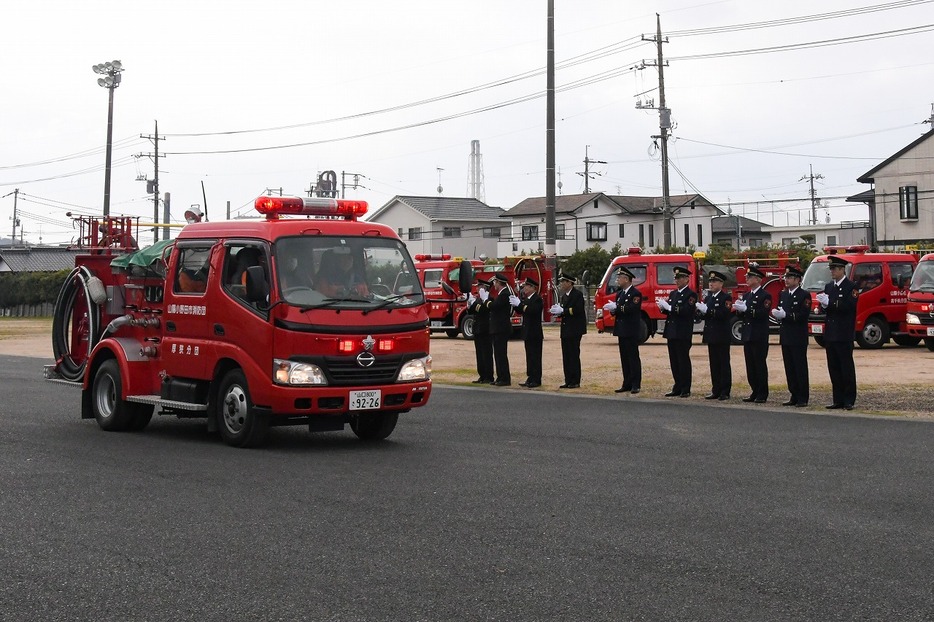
x: 432, y: 257
x: 634, y: 250
x: 274, y: 207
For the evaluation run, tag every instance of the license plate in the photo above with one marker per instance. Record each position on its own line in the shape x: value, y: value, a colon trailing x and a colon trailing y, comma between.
x: 931, y: 331
x: 817, y: 329
x: 436, y: 322
x: 365, y: 400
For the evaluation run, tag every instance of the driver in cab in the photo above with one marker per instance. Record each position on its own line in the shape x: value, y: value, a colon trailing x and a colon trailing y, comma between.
x: 337, y: 275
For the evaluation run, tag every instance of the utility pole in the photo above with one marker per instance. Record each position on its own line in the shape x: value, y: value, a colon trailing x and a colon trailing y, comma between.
x: 153, y: 187
x: 664, y: 124
x: 15, y: 194
x: 356, y: 181
x: 813, y: 193
x: 551, y: 249
x: 587, y: 163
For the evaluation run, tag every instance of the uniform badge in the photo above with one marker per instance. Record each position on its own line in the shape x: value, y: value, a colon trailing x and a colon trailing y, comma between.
x: 855, y: 293
x: 768, y: 303
x: 636, y: 298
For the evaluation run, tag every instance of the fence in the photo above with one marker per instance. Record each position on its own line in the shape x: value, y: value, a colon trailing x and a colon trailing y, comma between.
x: 43, y: 309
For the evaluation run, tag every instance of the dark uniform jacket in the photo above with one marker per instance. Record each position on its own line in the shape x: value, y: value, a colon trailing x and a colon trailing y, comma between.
x: 573, y: 316
x: 680, y: 322
x: 628, y: 313
x: 717, y: 318
x: 531, y: 310
x: 797, y: 308
x: 756, y: 316
x: 841, y: 312
x: 481, y: 325
x: 500, y: 312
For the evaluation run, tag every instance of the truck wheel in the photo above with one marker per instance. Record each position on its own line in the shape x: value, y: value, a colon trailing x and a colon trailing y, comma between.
x: 112, y: 413
x: 142, y: 415
x: 819, y: 340
x: 929, y: 343
x: 906, y: 340
x: 736, y: 331
x: 239, y: 424
x: 874, y: 334
x: 374, y: 426
x: 467, y: 326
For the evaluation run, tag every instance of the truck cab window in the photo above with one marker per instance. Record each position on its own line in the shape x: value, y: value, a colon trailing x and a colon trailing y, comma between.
x: 867, y: 276
x: 192, y: 270
x: 236, y: 262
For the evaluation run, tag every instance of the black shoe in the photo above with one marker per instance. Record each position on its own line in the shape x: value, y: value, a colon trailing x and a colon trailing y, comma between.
x: 502, y: 383
x: 635, y: 390
x: 685, y: 394
x: 723, y: 398
x: 848, y: 407
x: 524, y: 384
x: 801, y: 405
x: 673, y: 394
x: 574, y: 386
x: 749, y: 399
x: 712, y: 396
x: 833, y: 406
x: 760, y: 400
x: 532, y: 385
x: 492, y: 383
x: 565, y: 386
x: 622, y: 390
x: 790, y: 403
x: 478, y: 381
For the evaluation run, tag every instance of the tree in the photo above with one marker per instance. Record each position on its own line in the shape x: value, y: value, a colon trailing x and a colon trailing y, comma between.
x: 593, y: 261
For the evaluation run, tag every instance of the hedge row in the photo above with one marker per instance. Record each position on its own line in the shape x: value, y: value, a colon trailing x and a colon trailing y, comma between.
x: 30, y: 288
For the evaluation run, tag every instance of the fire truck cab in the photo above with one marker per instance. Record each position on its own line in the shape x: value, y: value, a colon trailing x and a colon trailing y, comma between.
x: 439, y: 276
x: 920, y: 310
x: 882, y: 280
x: 250, y: 324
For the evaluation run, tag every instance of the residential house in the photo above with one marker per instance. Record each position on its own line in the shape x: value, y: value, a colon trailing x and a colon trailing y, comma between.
x: 582, y: 220
x: 847, y: 233
x: 739, y: 232
x: 37, y: 259
x: 901, y: 202
x: 463, y: 227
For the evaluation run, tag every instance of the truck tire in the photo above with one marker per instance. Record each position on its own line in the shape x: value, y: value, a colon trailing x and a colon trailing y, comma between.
x: 819, y: 340
x: 112, y: 413
x: 374, y: 426
x: 736, y: 331
x: 237, y: 419
x: 929, y: 343
x: 906, y: 341
x: 467, y: 325
x: 142, y: 415
x: 874, y: 335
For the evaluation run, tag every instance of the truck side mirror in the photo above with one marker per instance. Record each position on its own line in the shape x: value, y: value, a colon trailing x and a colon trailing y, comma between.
x: 447, y: 288
x: 465, y: 277
x: 257, y: 289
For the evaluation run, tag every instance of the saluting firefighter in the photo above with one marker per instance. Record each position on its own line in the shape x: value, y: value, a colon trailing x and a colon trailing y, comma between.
x: 570, y: 309
x: 793, y: 310
x: 839, y: 300
x: 530, y: 306
x: 679, y: 330
x: 754, y: 309
x: 500, y: 329
x: 717, y: 313
x: 627, y: 326
x: 482, y: 340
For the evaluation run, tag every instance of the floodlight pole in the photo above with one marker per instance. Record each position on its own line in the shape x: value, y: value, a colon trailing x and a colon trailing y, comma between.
x: 111, y: 81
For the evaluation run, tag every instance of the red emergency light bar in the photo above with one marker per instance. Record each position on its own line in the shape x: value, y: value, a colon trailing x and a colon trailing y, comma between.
x: 634, y: 250
x: 856, y: 248
x: 273, y: 207
x: 432, y: 257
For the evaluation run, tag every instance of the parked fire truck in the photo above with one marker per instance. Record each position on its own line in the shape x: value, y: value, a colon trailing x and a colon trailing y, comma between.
x: 518, y: 268
x: 439, y: 275
x: 655, y: 279
x: 249, y: 324
x: 882, y: 280
x: 920, y: 309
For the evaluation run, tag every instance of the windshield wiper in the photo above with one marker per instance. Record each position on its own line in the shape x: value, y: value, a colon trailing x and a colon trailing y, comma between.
x: 385, y: 303
x: 330, y: 302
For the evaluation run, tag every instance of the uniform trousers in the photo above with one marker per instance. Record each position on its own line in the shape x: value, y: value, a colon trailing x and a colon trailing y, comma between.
x: 483, y: 345
x: 842, y: 371
x: 571, y: 359
x: 757, y: 368
x: 795, y: 357
x: 630, y: 362
x: 533, y: 359
x: 679, y: 358
x: 721, y: 371
x: 501, y: 357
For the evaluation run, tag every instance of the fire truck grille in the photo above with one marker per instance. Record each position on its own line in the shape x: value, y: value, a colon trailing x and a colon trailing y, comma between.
x: 343, y: 371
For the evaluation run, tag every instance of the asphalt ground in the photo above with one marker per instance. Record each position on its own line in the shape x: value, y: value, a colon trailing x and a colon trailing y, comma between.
x: 484, y: 505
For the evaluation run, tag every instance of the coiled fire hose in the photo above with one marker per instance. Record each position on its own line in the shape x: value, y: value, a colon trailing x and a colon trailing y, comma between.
x: 72, y: 365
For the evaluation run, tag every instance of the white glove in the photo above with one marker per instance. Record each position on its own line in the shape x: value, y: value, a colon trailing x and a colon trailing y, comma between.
x: 514, y: 300
x: 610, y: 307
x: 740, y: 305
x: 556, y: 309
x: 823, y: 299
x: 471, y: 299
x: 664, y: 305
x: 484, y: 295
x: 778, y: 313
x: 701, y: 307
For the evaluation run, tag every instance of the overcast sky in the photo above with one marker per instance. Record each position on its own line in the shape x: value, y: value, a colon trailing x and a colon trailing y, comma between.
x: 251, y: 95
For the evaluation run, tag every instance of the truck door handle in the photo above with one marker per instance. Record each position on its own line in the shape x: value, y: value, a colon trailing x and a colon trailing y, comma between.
x: 882, y: 300
x: 219, y: 329
x: 170, y: 326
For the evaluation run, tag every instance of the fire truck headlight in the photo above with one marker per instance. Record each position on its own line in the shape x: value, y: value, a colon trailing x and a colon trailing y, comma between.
x: 290, y: 372
x: 415, y: 370
x: 911, y: 318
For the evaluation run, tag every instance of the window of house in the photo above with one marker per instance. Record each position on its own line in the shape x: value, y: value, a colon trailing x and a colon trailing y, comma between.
x: 908, y: 203
x: 622, y: 231
x: 559, y: 231
x: 831, y: 240
x: 755, y: 242
x: 596, y: 231
x: 415, y: 233
x: 642, y: 235
x: 400, y: 231
x: 491, y: 232
x: 786, y: 242
x: 529, y: 232
x: 451, y: 232
x: 687, y: 234
x: 651, y: 235
x: 700, y: 235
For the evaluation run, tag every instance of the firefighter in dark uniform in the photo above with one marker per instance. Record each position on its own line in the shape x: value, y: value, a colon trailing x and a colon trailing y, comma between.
x: 482, y: 341
x: 627, y: 326
x: 839, y: 302
x: 500, y: 329
x: 679, y: 330
x: 754, y: 309
x: 570, y: 309
x: 793, y: 310
x: 717, y: 313
x: 531, y: 306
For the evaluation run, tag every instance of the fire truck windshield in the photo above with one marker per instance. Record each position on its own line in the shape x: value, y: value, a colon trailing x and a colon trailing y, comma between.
x: 344, y: 272
x: 818, y: 275
x: 923, y: 278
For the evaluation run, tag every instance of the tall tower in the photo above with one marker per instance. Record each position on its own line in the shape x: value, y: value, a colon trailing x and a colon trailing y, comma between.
x: 475, y: 187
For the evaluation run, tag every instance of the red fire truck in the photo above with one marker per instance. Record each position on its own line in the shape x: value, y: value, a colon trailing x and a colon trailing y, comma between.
x: 439, y: 275
x: 882, y: 280
x: 249, y: 324
x: 655, y: 279
x: 920, y: 309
